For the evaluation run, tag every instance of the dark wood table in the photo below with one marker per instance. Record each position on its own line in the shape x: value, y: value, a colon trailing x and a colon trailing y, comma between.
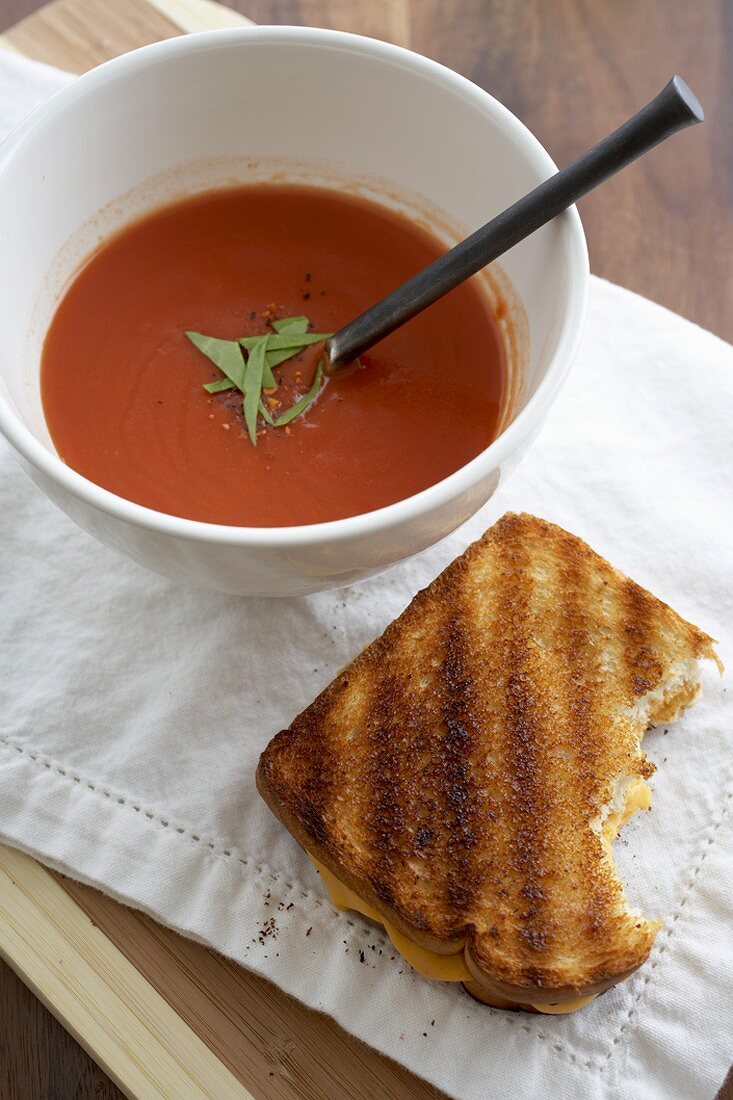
x: 571, y: 70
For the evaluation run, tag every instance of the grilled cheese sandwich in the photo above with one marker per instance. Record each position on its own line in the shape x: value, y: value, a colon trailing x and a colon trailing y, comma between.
x: 462, y: 781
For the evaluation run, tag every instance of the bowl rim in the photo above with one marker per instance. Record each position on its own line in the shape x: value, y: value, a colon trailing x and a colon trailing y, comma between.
x: 391, y: 515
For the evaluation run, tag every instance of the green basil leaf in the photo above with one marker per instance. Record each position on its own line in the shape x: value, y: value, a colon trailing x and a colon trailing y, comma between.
x: 269, y: 381
x: 294, y: 325
x: 220, y: 386
x: 253, y: 387
x: 302, y: 405
x: 266, y: 414
x: 275, y: 358
x: 226, y: 354
x: 278, y: 341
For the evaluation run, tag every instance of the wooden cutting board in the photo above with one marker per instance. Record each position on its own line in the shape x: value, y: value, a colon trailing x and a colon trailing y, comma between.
x: 166, y: 1018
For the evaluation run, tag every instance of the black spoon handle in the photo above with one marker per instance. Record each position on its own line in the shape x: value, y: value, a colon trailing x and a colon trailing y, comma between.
x: 674, y: 108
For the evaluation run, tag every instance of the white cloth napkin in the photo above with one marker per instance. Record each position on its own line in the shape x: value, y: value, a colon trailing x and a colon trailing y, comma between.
x: 133, y: 711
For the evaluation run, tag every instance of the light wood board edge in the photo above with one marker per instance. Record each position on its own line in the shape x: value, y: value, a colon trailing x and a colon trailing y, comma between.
x: 76, y: 35
x: 98, y: 995
x: 6, y: 44
x: 200, y: 15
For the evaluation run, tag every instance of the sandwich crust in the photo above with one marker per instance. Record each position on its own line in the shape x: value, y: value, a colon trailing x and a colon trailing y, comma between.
x: 458, y: 774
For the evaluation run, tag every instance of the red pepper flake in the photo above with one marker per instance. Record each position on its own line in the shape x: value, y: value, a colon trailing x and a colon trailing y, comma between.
x: 269, y: 313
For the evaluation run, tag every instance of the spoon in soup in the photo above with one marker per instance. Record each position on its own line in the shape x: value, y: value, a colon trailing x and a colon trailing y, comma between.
x: 673, y: 109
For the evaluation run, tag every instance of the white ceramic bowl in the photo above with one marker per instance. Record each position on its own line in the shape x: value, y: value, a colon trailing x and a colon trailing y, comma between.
x: 230, y: 105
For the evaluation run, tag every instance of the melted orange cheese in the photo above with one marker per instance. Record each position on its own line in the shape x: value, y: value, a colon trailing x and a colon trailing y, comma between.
x: 442, y: 968
x: 638, y: 797
x: 453, y: 968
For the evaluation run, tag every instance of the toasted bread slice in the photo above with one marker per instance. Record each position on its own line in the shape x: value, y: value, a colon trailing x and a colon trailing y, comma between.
x: 465, y: 775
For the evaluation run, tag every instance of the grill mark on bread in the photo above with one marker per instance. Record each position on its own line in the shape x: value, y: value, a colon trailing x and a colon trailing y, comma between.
x: 405, y: 792
x: 493, y: 896
x: 522, y: 741
x: 400, y: 716
x: 454, y: 781
x: 522, y: 747
x: 576, y: 577
x: 382, y: 782
x: 317, y: 780
x: 639, y: 610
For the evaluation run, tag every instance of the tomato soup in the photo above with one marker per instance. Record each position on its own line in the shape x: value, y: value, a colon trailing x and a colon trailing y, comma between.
x: 123, y: 387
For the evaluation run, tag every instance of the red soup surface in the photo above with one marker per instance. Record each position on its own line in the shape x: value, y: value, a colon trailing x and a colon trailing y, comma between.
x: 122, y: 385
